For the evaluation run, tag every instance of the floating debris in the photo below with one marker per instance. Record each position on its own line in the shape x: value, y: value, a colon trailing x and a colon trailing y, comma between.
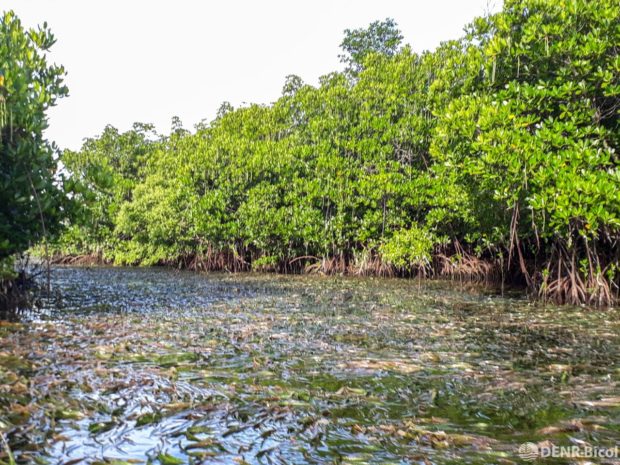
x: 158, y: 367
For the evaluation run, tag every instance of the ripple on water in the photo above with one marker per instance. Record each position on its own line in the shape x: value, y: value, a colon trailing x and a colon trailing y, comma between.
x: 173, y: 367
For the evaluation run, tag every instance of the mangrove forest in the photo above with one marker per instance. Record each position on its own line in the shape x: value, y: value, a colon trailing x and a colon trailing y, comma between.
x: 414, y: 261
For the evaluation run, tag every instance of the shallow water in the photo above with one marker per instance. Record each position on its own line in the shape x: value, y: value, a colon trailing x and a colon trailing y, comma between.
x: 157, y: 366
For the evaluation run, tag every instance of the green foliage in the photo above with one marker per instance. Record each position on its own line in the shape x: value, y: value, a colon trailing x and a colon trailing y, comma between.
x: 32, y: 200
x: 381, y: 37
x: 104, y: 174
x: 408, y: 248
x: 540, y: 132
x: 534, y: 142
x: 7, y: 269
x: 501, y: 144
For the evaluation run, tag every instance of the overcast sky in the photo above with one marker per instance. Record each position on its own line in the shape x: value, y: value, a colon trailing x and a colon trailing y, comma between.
x: 148, y: 60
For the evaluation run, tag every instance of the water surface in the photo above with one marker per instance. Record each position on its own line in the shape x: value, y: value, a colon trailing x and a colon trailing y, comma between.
x: 157, y: 366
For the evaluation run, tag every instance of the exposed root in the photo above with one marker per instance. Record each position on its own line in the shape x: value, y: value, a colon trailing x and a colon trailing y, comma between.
x: 214, y: 260
x: 92, y: 259
x: 15, y: 294
x: 566, y: 277
x: 328, y: 266
x: 567, y: 281
x: 467, y: 268
x: 368, y: 263
x: 464, y: 266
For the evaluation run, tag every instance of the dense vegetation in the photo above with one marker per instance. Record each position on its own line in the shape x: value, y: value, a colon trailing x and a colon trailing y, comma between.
x: 32, y: 199
x: 494, y: 156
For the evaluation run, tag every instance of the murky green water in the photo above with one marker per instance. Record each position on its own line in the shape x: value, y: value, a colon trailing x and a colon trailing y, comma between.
x: 153, y: 366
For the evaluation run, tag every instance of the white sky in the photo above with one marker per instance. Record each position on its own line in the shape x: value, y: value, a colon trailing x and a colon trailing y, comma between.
x: 148, y: 60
